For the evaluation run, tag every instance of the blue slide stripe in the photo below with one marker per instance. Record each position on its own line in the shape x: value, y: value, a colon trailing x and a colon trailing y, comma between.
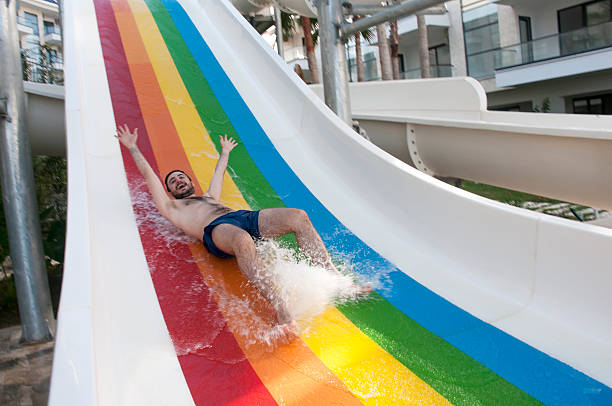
x: 536, y: 373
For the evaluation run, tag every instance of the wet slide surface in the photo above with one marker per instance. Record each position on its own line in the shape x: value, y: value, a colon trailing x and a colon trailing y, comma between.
x: 403, y: 345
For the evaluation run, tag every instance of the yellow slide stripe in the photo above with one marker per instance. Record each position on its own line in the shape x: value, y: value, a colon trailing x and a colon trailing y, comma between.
x: 368, y: 371
x: 371, y: 373
x: 196, y: 141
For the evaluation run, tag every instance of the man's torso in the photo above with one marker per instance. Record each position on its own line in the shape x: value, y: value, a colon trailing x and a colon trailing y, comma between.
x: 194, y: 213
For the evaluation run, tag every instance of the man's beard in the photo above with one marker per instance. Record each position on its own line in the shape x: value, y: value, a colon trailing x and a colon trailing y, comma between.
x: 181, y: 195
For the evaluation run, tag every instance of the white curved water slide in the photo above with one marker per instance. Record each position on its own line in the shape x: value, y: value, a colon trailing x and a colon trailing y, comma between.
x: 443, y: 128
x: 541, y: 279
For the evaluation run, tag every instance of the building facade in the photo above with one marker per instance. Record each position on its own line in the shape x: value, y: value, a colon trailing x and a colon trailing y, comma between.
x: 38, y: 23
x: 551, y: 52
x: 545, y: 55
x: 549, y: 55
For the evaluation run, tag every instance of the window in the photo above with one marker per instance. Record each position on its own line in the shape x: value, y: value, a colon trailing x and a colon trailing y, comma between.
x: 584, y: 15
x: 525, y: 28
x: 583, y: 27
x: 481, y: 29
x: 597, y: 13
x: 526, y: 37
x: 49, y: 27
x: 53, y: 56
x: 526, y: 106
x: 512, y: 107
x: 481, y: 33
x: 31, y: 20
x: 402, y: 63
x: 599, y: 104
x: 439, y: 55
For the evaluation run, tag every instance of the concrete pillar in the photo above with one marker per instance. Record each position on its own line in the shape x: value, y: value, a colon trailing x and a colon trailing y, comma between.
x: 456, y: 39
x: 333, y: 59
x: 18, y: 192
x: 509, y: 33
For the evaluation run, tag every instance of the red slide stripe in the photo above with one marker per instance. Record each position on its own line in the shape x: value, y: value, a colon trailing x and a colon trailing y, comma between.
x: 216, y: 370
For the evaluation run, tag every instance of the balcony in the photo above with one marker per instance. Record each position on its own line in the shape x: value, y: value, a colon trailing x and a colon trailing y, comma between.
x: 44, y: 72
x: 53, y: 35
x: 23, y: 27
x: 49, y: 8
x: 580, y: 51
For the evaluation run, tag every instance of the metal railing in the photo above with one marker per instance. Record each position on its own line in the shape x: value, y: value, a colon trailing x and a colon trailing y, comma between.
x: 42, y: 67
x: 22, y: 21
x: 53, y: 30
x: 45, y: 74
x: 484, y: 64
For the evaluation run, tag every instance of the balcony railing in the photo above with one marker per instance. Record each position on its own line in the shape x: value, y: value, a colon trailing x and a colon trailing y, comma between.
x: 39, y: 65
x: 54, y: 29
x: 45, y: 74
x: 483, y: 64
x: 24, y: 26
x: 436, y: 71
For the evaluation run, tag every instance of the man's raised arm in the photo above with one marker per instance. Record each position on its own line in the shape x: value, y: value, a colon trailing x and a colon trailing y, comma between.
x: 216, y: 182
x: 161, y: 199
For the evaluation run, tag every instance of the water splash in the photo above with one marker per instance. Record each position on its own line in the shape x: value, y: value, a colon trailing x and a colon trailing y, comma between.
x: 304, y: 290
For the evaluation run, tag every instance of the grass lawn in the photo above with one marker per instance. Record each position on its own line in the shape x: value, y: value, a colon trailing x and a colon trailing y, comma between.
x: 529, y: 201
x: 503, y: 195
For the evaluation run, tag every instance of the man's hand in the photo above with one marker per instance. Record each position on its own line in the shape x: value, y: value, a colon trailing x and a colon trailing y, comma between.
x: 126, y: 137
x: 227, y: 143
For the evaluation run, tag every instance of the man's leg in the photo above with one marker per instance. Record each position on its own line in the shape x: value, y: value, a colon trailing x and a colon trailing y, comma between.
x: 237, y: 242
x: 277, y: 222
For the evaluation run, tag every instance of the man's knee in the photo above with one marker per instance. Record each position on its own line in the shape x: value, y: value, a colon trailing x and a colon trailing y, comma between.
x: 243, y: 244
x: 300, y: 219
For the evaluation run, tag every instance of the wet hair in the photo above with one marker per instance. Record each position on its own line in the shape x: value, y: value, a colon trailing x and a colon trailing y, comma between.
x: 170, y: 173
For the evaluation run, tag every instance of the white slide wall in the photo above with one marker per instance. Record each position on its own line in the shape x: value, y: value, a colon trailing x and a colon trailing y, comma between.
x: 112, y: 345
x: 542, y: 279
x: 443, y: 128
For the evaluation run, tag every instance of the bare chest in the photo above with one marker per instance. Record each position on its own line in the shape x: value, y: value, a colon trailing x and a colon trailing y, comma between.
x: 195, y: 213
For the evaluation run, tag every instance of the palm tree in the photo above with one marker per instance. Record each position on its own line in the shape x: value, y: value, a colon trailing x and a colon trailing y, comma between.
x: 394, y: 44
x: 307, y: 26
x: 383, y: 50
x: 423, y: 46
x: 358, y: 55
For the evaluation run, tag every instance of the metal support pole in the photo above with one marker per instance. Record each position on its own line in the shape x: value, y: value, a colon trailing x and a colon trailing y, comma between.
x: 333, y: 59
x: 390, y: 13
x: 18, y: 193
x: 279, y: 30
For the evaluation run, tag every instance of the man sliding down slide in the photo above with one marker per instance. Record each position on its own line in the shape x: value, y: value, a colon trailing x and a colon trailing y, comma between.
x: 227, y: 233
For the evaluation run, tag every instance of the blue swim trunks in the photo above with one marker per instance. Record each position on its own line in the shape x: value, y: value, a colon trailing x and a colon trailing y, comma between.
x: 244, y: 219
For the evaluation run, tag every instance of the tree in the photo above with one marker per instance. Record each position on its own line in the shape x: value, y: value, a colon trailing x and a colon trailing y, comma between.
x: 358, y: 55
x: 383, y: 50
x: 307, y: 26
x: 368, y: 35
x: 394, y: 44
x: 423, y: 46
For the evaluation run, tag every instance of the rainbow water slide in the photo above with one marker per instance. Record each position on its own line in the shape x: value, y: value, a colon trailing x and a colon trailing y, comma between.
x: 477, y: 302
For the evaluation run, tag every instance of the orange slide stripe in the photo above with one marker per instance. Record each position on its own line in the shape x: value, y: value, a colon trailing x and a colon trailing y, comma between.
x: 292, y: 373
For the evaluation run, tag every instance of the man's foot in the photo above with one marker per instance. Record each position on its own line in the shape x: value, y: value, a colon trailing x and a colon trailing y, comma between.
x: 290, y: 328
x: 286, y: 332
x: 363, y: 290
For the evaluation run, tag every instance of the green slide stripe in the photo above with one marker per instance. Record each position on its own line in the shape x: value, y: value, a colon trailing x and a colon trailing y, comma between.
x: 255, y: 188
x: 452, y: 373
